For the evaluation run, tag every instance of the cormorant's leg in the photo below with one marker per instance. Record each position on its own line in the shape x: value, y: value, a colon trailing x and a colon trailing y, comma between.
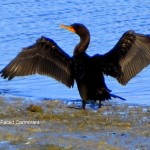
x: 100, y: 104
x: 83, y: 104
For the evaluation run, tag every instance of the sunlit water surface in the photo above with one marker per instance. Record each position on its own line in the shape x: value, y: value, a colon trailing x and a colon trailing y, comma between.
x: 22, y: 22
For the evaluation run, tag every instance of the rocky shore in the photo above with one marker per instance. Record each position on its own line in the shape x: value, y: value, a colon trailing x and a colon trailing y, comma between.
x: 55, y: 125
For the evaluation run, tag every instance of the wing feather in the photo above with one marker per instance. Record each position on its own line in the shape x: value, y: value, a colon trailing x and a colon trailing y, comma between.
x: 44, y: 57
x: 130, y: 55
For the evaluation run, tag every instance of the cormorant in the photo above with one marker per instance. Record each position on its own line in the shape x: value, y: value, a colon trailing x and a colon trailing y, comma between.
x: 127, y: 58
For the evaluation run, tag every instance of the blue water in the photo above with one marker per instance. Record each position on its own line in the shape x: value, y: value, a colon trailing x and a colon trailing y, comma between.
x: 22, y: 22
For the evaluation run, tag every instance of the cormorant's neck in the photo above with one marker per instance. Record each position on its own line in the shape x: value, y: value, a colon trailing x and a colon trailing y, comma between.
x: 83, y: 44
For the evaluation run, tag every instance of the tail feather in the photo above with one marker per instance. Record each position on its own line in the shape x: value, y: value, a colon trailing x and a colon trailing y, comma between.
x: 116, y: 96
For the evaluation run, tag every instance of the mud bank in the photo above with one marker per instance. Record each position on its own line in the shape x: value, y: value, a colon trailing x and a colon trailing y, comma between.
x: 52, y: 125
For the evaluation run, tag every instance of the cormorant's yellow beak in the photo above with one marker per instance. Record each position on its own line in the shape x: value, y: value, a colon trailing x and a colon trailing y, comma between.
x: 70, y: 28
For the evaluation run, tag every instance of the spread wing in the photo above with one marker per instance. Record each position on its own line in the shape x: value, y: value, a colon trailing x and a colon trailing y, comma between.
x: 129, y: 56
x: 44, y: 57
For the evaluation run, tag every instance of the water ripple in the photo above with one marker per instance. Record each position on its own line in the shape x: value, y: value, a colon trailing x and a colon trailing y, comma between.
x: 22, y: 22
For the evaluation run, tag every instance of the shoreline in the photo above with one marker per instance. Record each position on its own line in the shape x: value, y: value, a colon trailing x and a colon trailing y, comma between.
x: 114, y: 126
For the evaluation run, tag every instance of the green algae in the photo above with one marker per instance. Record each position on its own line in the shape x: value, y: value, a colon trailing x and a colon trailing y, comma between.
x: 35, y: 108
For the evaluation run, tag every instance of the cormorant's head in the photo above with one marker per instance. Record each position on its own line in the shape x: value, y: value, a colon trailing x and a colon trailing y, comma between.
x: 77, y: 28
x: 84, y: 35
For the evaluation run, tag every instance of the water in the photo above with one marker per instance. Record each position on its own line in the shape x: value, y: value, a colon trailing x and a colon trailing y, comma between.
x: 22, y: 22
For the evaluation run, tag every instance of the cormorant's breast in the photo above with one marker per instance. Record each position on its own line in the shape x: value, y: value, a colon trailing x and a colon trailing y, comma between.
x: 88, y: 77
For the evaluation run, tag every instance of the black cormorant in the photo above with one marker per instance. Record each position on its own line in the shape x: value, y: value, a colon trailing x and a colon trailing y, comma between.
x: 127, y: 58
